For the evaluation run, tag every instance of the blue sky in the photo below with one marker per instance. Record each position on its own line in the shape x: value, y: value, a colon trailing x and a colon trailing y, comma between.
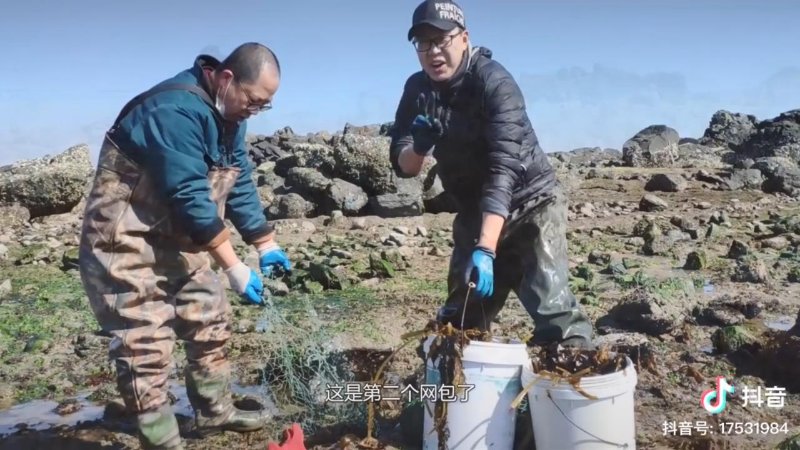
x: 593, y: 72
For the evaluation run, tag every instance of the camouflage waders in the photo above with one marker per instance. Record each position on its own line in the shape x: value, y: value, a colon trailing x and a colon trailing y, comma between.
x: 148, y: 285
x: 532, y: 261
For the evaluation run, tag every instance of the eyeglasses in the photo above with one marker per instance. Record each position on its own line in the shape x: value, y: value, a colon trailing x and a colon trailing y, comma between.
x: 424, y: 45
x: 255, y: 107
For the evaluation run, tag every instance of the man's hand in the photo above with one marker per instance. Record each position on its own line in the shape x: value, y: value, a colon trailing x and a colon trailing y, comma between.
x: 426, y: 127
x: 273, y: 260
x: 246, y: 282
x: 480, y: 268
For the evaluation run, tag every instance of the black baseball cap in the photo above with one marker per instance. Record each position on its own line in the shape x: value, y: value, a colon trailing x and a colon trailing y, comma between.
x: 442, y: 14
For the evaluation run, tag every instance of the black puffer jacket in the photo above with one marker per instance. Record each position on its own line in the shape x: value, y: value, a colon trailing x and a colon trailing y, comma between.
x: 489, y: 157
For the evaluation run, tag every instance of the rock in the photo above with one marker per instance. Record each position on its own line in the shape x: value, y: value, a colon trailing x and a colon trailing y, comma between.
x: 703, y: 205
x: 745, y: 179
x: 666, y: 183
x: 729, y: 129
x: 5, y: 288
x: 588, y: 156
x: 3, y: 252
x: 364, y: 161
x: 696, y: 260
x: 599, y: 258
x: 276, y: 287
x: 358, y: 223
x: 406, y: 202
x: 775, y: 243
x: 308, y: 155
x: 434, y: 198
x: 7, y: 396
x: 640, y: 311
x: 421, y: 231
x: 779, y: 136
x: 793, y: 277
x: 654, y: 146
x: 640, y: 229
x: 713, y: 231
x: 309, y: 183
x: 738, y: 249
x: 732, y: 338
x: 396, y: 239
x: 290, y: 206
x: 396, y: 205
x: 725, y: 311
x: 337, y: 218
x: 786, y: 180
x: 651, y: 203
x: 693, y: 155
x: 344, y: 196
x: 586, y: 209
x: 47, y: 185
x: 13, y: 216
x: 706, y: 177
x: 751, y: 270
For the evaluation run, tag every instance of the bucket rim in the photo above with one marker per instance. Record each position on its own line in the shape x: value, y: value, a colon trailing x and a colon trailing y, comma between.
x: 515, y: 343
x: 626, y: 372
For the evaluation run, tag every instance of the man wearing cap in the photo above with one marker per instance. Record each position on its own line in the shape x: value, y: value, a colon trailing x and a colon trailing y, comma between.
x: 171, y: 169
x: 467, y: 111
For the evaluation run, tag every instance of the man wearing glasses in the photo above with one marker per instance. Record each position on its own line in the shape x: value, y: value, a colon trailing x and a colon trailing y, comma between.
x: 466, y: 110
x: 171, y: 169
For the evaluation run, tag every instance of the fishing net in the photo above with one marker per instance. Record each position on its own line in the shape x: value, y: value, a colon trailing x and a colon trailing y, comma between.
x: 303, y: 367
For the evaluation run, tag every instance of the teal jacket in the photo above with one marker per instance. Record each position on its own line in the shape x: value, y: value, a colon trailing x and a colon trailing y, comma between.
x: 174, y: 136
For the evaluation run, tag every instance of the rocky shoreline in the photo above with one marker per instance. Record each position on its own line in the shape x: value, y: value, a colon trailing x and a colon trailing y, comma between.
x: 684, y: 252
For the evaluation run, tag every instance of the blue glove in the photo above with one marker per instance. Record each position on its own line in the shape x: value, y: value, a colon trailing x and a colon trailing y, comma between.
x: 273, y: 260
x: 426, y: 128
x: 480, y: 269
x: 246, y: 282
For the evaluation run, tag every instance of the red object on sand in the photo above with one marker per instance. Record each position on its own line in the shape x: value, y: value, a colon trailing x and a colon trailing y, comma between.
x: 293, y: 439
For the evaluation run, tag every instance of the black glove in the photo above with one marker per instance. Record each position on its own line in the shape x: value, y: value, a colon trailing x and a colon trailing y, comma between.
x: 426, y: 127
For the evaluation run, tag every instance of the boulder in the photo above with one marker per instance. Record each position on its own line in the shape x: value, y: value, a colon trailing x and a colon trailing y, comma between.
x: 781, y: 175
x: 308, y: 155
x: 728, y: 129
x: 406, y: 202
x: 13, y: 216
x: 262, y: 149
x: 47, y: 185
x: 666, y: 183
x: 344, y: 196
x: 434, y: 198
x: 290, y: 206
x: 745, y: 179
x: 695, y: 156
x: 641, y: 311
x: 652, y: 203
x: 654, y: 146
x: 589, y: 156
x: 779, y: 136
x: 364, y: 160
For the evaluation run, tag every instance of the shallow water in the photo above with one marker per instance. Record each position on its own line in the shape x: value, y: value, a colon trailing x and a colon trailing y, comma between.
x: 782, y: 323
x: 41, y: 415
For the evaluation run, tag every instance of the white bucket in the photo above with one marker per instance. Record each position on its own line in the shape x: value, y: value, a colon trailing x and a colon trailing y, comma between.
x: 582, y: 423
x: 483, y: 416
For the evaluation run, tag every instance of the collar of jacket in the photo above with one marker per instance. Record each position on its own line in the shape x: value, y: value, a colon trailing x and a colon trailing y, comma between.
x: 200, y: 63
x: 467, y: 64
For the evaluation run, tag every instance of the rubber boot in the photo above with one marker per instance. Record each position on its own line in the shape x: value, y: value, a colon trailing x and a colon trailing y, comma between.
x: 158, y: 429
x: 215, y: 412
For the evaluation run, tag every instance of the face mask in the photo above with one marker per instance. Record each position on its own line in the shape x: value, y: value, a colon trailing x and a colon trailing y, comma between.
x: 220, y: 103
